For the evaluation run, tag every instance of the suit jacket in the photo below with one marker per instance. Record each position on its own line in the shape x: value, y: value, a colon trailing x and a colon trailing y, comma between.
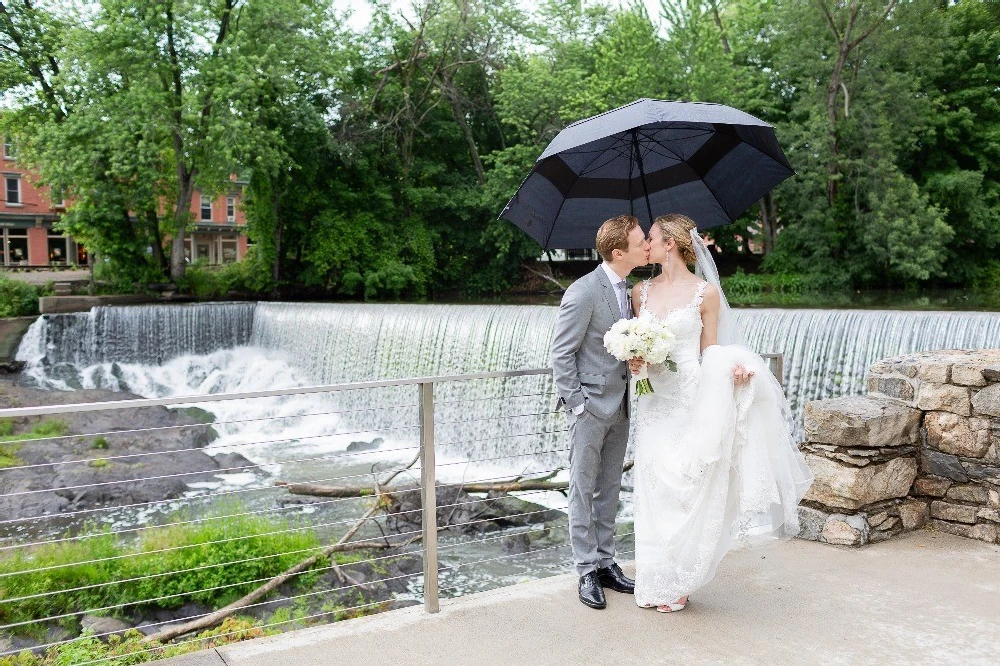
x: 584, y: 372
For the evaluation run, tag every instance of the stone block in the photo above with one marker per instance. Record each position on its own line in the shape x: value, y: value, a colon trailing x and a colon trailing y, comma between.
x: 938, y: 373
x: 987, y: 401
x: 991, y: 373
x: 992, y: 515
x: 861, y: 421
x: 967, y: 375
x: 993, y: 499
x: 889, y: 523
x: 958, y: 435
x: 959, y: 513
x: 943, y: 464
x: 846, y: 487
x: 914, y: 514
x: 982, y: 531
x: 932, y: 486
x: 811, y: 522
x: 967, y: 493
x: 945, y: 398
x: 843, y: 530
x: 897, y: 388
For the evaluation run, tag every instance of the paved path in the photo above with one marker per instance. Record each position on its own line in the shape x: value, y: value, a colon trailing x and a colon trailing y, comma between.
x: 41, y: 277
x: 927, y: 598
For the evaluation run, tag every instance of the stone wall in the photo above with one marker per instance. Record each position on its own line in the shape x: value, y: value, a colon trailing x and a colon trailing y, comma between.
x: 923, y: 447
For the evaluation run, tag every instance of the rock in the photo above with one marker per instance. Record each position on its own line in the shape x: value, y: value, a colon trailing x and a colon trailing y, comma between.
x: 992, y: 515
x: 878, y: 518
x: 967, y: 493
x: 840, y: 486
x: 982, y: 531
x: 938, y: 373
x: 861, y: 421
x: 516, y: 543
x: 148, y: 628
x: 914, y: 514
x: 945, y: 398
x: 981, y: 472
x: 811, y: 522
x: 992, y: 373
x: 967, y: 375
x: 931, y: 485
x: 844, y: 530
x: 103, y: 627
x: 959, y: 513
x: 993, y: 499
x: 943, y: 464
x: 987, y: 401
x: 958, y: 435
x: 365, y: 446
x: 232, y: 461
x: 887, y: 524
x: 892, y: 387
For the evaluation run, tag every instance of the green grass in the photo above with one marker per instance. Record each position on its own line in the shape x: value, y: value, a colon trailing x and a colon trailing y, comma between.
x: 10, y: 443
x: 192, y: 546
x: 100, y: 442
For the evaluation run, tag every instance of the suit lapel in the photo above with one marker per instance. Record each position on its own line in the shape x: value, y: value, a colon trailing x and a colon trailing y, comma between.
x: 609, y: 293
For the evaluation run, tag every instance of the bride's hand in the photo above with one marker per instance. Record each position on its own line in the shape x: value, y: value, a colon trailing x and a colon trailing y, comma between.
x: 635, y: 365
x: 741, y: 375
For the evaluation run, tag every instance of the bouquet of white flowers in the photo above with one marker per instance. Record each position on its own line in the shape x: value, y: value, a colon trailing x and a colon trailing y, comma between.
x: 643, y: 337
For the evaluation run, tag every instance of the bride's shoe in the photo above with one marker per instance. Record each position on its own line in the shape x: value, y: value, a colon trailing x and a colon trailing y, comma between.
x: 672, y: 608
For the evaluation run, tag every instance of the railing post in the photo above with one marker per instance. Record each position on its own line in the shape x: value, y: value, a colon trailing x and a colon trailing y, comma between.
x: 428, y: 496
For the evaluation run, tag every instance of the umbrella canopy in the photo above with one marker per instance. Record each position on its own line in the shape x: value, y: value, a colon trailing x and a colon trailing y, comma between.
x: 651, y: 157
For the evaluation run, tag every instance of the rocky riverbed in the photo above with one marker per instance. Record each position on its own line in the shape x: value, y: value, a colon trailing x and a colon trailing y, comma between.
x: 94, y: 459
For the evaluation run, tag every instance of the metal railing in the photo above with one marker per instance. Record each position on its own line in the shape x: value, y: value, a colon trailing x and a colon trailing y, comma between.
x: 430, y: 405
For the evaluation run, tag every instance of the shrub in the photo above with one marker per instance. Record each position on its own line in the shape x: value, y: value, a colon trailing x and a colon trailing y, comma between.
x: 20, y: 299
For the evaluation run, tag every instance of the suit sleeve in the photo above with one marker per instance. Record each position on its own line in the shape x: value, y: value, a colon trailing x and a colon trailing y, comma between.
x: 572, y: 322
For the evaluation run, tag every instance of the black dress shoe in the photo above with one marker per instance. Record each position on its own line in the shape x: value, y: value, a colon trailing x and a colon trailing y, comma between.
x: 614, y: 578
x: 591, y: 593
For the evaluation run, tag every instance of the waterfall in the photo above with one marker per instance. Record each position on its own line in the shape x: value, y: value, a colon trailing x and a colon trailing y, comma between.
x: 214, y: 348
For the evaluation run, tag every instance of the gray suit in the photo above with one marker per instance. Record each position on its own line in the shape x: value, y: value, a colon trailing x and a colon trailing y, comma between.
x: 585, y: 373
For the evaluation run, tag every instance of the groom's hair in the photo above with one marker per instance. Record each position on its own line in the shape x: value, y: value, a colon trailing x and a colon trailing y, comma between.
x: 613, y: 235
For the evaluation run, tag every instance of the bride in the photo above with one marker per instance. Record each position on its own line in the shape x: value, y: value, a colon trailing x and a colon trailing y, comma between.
x: 715, y: 464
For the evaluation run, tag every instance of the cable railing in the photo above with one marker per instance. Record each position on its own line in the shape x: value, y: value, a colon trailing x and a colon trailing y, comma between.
x: 461, y: 487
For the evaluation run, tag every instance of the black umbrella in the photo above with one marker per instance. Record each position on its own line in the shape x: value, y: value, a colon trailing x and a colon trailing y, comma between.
x: 707, y: 161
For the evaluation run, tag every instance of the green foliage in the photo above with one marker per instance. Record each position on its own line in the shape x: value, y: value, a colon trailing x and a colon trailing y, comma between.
x: 379, y: 158
x: 200, y: 546
x: 99, y: 442
x: 133, y: 648
x: 20, y: 299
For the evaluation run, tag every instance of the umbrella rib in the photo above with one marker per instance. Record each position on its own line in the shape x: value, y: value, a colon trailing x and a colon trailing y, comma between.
x: 586, y: 167
x: 620, y: 153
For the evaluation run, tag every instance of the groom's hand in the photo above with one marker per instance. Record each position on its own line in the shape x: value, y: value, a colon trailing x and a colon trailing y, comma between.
x: 635, y: 365
x: 741, y: 375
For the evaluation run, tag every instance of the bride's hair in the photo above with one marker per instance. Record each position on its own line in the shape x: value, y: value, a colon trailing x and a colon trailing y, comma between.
x: 679, y: 228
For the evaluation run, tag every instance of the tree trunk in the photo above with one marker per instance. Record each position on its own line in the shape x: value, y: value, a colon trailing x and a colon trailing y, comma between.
x: 153, y: 225
x: 768, y: 222
x: 722, y: 31
x: 181, y: 218
x: 448, y: 87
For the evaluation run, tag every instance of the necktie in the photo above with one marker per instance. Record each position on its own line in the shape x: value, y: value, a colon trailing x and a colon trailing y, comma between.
x: 623, y: 300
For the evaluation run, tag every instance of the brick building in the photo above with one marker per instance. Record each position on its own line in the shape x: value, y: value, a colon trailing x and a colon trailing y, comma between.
x: 27, y: 214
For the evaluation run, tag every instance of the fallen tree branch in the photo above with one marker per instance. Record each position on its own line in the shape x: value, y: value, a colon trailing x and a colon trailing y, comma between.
x: 512, y: 485
x: 549, y: 276
x: 342, y: 544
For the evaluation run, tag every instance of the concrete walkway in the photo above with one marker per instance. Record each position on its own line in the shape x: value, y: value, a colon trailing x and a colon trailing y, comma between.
x: 927, y: 598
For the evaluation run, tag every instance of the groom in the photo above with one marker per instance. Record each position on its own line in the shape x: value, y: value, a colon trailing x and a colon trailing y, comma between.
x: 593, y: 386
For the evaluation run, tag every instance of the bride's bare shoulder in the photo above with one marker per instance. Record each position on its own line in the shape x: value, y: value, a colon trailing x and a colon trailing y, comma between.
x: 710, y: 299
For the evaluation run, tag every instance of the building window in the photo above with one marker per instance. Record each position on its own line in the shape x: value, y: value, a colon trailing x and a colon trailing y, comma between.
x: 15, y: 247
x: 58, y: 200
x: 13, y: 190
x: 230, y: 209
x: 58, y: 253
x: 82, y: 256
x: 9, y: 151
x: 206, y: 208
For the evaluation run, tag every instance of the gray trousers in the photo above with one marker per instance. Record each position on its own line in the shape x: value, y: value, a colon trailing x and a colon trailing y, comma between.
x: 596, y: 455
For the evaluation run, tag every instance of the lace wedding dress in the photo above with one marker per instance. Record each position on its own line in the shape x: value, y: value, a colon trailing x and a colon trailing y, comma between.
x: 715, y: 465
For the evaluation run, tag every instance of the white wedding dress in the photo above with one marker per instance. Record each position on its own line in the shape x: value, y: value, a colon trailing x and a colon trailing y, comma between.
x: 715, y: 465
